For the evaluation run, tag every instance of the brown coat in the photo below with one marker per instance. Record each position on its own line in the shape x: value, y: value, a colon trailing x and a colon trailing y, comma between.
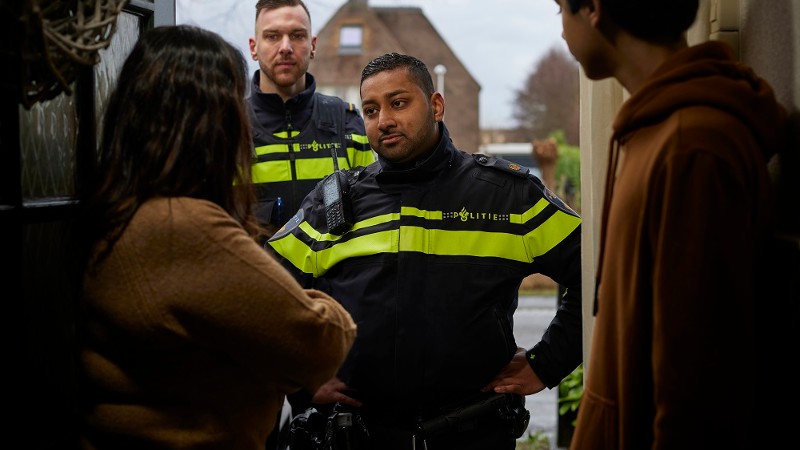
x: 193, y: 334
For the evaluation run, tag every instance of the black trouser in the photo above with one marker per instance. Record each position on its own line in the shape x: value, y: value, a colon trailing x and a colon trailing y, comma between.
x: 485, y: 433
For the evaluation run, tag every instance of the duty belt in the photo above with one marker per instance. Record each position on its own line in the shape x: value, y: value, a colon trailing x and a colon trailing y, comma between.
x: 510, y: 408
x: 344, y: 429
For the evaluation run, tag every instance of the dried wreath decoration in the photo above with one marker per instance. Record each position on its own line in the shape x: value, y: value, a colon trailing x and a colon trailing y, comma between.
x: 61, y: 37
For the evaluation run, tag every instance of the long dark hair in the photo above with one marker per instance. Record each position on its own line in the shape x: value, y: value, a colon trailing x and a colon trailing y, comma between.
x: 176, y: 125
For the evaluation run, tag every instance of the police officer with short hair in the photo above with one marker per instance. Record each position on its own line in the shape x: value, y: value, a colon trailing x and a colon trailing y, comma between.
x: 295, y: 129
x: 429, y: 264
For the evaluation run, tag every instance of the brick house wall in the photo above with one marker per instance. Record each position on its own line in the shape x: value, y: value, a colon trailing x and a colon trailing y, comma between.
x: 337, y: 66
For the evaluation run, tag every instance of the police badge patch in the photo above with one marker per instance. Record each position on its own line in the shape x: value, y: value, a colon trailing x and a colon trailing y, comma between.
x: 501, y: 164
x: 554, y: 199
x: 289, y: 226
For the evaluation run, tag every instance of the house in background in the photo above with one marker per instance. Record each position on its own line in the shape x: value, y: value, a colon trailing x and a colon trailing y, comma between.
x: 358, y: 33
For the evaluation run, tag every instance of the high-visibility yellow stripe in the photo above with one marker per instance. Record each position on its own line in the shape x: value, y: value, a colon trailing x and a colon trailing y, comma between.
x: 360, y: 157
x: 306, y: 169
x: 317, y: 263
x: 271, y: 171
x: 366, y: 223
x: 416, y: 212
x: 431, y: 241
x: 370, y: 244
x: 315, y: 168
x: 463, y: 243
x: 360, y: 138
x: 271, y: 149
x: 531, y: 213
x: 549, y: 234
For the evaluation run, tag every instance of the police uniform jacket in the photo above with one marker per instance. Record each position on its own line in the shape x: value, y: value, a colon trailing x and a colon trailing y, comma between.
x: 430, y: 270
x: 292, y: 145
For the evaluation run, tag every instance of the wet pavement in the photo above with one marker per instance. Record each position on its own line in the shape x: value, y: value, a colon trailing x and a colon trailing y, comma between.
x: 530, y: 320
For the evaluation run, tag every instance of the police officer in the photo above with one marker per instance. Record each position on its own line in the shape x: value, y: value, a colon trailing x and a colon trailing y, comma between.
x: 295, y: 128
x: 430, y: 268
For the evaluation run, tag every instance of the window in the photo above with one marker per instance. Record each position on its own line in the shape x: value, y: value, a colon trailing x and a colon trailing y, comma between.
x: 350, y: 39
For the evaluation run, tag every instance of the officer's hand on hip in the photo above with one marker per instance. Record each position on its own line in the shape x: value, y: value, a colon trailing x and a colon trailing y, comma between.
x: 333, y: 391
x: 516, y: 377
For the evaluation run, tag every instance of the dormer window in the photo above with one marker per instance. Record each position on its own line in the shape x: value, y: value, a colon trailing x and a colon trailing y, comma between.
x: 350, y: 39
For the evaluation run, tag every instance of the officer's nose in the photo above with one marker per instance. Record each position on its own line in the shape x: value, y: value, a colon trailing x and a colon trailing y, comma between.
x: 285, y: 46
x: 386, y: 120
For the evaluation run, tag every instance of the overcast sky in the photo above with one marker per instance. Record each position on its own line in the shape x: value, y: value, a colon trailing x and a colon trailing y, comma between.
x: 499, y: 41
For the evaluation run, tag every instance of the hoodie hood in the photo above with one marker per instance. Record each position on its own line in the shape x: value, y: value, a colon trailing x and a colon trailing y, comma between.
x: 718, y: 81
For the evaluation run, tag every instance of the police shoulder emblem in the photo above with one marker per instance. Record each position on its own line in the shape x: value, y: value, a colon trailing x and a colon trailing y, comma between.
x: 293, y: 223
x: 501, y: 164
x: 556, y: 200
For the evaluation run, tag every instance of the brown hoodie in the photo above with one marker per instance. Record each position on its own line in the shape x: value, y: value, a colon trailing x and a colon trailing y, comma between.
x: 674, y: 358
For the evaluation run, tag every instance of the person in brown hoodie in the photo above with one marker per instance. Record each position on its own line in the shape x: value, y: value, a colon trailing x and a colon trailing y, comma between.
x: 680, y: 350
x: 190, y: 333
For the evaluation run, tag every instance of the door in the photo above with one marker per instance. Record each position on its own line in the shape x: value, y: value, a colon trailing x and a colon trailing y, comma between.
x: 49, y: 116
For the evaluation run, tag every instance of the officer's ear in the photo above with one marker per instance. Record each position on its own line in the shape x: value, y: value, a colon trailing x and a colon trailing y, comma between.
x: 437, y: 104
